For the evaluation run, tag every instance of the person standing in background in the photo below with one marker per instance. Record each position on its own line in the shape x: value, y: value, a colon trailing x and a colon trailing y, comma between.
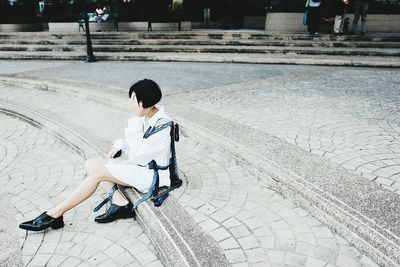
x: 360, y: 9
x: 340, y: 11
x: 313, y: 16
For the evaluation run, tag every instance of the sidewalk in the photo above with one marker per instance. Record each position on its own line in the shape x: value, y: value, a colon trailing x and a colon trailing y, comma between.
x: 251, y: 221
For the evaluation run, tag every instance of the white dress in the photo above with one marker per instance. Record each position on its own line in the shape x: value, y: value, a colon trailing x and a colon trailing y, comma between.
x: 140, y: 151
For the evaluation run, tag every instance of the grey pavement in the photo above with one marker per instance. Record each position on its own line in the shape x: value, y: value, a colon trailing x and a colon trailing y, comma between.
x: 173, y: 77
x: 346, y: 115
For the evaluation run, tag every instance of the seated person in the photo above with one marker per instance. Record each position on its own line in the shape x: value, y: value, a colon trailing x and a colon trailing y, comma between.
x: 101, y: 14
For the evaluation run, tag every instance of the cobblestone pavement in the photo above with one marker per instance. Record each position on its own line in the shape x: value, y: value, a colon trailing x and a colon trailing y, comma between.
x: 351, y: 120
x: 254, y: 225
x: 39, y: 171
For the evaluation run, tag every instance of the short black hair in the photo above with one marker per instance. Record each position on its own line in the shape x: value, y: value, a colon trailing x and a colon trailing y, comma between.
x: 147, y: 91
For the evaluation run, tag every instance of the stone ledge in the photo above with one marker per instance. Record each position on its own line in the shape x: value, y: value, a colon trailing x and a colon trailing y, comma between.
x: 291, y: 59
x: 22, y: 27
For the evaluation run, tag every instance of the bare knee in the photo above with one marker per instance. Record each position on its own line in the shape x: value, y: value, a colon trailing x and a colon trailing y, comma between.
x: 98, y: 173
x: 93, y: 165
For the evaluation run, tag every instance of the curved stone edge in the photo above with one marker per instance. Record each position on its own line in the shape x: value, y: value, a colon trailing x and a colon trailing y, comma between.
x: 174, y: 233
x: 183, y: 233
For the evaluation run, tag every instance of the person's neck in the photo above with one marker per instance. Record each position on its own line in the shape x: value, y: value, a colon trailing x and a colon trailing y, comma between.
x: 151, y: 112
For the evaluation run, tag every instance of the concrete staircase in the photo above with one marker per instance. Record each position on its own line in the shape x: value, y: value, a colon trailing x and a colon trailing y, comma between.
x: 244, y: 47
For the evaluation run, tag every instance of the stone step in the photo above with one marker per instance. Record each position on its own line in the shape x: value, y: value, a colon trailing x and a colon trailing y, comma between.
x: 383, y: 52
x: 278, y: 43
x: 294, y: 59
x: 206, y: 36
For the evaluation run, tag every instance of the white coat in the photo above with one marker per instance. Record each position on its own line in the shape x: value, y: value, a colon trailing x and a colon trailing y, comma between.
x: 140, y: 151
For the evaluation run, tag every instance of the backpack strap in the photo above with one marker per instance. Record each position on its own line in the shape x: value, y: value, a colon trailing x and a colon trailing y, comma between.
x: 173, y: 169
x: 153, y: 190
x: 157, y: 128
x: 109, y: 198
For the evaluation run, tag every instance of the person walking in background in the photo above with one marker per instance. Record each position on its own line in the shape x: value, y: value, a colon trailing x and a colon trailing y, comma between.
x: 360, y: 9
x: 340, y: 11
x: 313, y: 16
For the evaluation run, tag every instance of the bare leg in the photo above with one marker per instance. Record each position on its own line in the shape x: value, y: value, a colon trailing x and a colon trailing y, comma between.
x: 96, y: 176
x: 118, y: 197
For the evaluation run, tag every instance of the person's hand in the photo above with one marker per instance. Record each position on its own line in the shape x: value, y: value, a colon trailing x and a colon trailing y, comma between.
x: 112, y: 153
x: 137, y: 108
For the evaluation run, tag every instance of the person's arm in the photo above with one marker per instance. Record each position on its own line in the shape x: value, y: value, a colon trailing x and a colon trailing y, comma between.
x: 135, y: 132
x: 120, y: 144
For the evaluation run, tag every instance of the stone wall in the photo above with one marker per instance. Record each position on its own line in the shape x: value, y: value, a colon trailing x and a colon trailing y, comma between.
x: 123, y: 26
x: 21, y: 27
x: 293, y: 22
x: 254, y: 22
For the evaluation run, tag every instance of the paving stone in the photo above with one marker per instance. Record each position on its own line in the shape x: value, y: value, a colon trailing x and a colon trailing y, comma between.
x: 124, y: 259
x: 235, y: 256
x: 87, y: 252
x: 229, y: 243
x: 48, y: 248
x: 312, y: 262
x: 248, y: 242
x: 107, y: 263
x: 240, y: 231
x: 70, y: 262
x: 98, y: 258
x: 293, y: 259
x: 114, y: 250
x: 209, y: 225
x: 276, y: 256
x: 305, y: 249
x: 40, y: 259
x: 384, y: 181
x: 232, y: 222
x: 146, y: 257
x: 220, y: 216
x: 256, y: 255
x: 56, y: 260
x: 220, y: 234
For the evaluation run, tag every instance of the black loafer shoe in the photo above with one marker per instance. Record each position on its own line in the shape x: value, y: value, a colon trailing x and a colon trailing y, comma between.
x: 116, y: 212
x: 42, y: 222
